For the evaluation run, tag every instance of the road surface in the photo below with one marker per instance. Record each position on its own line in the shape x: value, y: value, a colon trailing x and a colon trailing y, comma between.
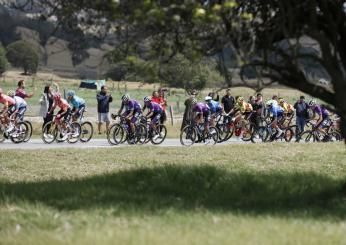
x: 94, y: 143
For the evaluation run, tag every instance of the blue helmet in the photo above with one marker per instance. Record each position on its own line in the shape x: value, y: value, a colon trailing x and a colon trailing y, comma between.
x: 71, y: 93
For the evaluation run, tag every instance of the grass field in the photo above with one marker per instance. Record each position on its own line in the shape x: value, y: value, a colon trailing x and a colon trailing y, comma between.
x: 239, y: 194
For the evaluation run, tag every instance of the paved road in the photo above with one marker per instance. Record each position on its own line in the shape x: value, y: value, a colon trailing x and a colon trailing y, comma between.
x: 94, y: 143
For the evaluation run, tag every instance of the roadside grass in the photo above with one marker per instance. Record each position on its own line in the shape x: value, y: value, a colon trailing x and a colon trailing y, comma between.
x: 235, y: 194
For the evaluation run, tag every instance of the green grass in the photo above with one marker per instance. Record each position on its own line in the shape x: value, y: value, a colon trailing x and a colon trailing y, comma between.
x: 239, y: 194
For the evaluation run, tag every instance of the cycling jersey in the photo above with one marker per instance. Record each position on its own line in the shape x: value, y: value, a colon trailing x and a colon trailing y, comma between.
x: 154, y: 107
x: 244, y: 107
x: 20, y: 102
x: 214, y: 107
x: 132, y: 105
x: 288, y: 108
x: 62, y: 104
x: 77, y: 102
x: 7, y: 100
x: 321, y: 111
x: 201, y: 108
x: 276, y: 110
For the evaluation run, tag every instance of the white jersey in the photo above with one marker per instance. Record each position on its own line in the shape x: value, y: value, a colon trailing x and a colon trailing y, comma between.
x: 20, y: 102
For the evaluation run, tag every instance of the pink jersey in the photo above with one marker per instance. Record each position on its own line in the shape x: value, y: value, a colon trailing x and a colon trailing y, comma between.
x: 7, y: 100
x: 62, y: 104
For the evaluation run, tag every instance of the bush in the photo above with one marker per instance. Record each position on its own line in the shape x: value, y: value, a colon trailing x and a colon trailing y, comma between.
x: 21, y: 54
x: 3, y: 60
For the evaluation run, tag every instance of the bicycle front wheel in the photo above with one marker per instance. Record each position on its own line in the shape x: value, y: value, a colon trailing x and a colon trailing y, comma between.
x: 87, y: 131
x: 115, y: 134
x: 20, y: 132
x: 188, y: 135
x: 307, y: 137
x: 49, y: 132
x: 29, y: 132
x: 159, y: 135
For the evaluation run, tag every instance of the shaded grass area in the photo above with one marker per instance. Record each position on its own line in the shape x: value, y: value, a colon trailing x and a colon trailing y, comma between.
x: 262, y: 194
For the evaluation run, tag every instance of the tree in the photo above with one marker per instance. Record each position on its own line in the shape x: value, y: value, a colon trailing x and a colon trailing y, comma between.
x: 21, y: 54
x: 3, y: 60
x: 276, y: 39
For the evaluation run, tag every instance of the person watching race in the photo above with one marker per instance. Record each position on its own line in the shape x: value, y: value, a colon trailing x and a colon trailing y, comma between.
x: 20, y: 91
x: 77, y: 103
x: 276, y: 113
x: 64, y: 112
x: 155, y: 113
x: 215, y: 109
x: 323, y: 116
x: 19, y: 108
x: 9, y: 105
x: 133, y: 111
x: 201, y: 111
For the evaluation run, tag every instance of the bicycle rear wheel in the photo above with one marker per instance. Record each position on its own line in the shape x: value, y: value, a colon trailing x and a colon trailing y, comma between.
x: 223, y: 131
x: 188, y: 135
x: 141, y: 134
x: 87, y: 131
x: 20, y: 132
x: 248, y: 131
x: 213, y: 136
x: 307, y: 137
x: 49, y: 132
x: 161, y: 132
x: 75, y: 133
x: 2, y: 136
x: 260, y: 135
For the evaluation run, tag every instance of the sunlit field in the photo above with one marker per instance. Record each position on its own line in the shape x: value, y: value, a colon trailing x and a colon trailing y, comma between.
x: 237, y: 194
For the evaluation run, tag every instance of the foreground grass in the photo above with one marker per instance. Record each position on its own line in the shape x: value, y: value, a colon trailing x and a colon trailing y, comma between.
x: 242, y: 194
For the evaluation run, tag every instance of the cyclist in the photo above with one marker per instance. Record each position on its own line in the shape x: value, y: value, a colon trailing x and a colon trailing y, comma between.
x: 77, y: 104
x: 288, y: 109
x: 64, y: 112
x: 19, y: 108
x: 155, y: 113
x: 276, y: 113
x: 9, y: 105
x: 323, y: 116
x: 133, y: 110
x: 201, y: 111
x: 243, y: 111
x: 215, y: 109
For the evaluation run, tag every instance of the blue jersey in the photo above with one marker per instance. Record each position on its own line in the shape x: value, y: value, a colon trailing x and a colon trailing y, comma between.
x: 276, y: 110
x: 214, y: 106
x: 77, y: 102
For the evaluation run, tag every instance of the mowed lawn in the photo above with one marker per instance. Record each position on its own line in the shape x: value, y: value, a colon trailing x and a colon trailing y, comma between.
x: 236, y: 194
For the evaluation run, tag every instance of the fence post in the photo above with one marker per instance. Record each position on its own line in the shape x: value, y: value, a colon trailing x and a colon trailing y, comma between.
x: 171, y: 114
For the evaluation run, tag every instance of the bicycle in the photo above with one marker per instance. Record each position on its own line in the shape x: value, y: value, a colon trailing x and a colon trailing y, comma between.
x: 155, y: 136
x: 52, y: 129
x: 87, y: 129
x: 120, y: 132
x: 194, y: 133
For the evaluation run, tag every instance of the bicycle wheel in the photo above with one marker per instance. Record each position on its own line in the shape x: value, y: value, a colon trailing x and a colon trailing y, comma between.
x: 223, y: 131
x: 260, y: 135
x: 75, y: 133
x: 87, y: 131
x: 307, y: 137
x: 230, y: 131
x: 288, y: 134
x: 248, y: 131
x: 213, y: 136
x: 188, y: 135
x: 49, y: 132
x: 2, y: 136
x: 335, y: 136
x: 141, y: 134
x: 19, y: 133
x: 115, y: 134
x: 29, y: 133
x: 159, y: 134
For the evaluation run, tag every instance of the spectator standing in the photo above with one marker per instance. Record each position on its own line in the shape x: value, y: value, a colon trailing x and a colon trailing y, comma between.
x: 103, y: 100
x: 227, y: 102
x: 20, y: 91
x: 188, y: 109
x: 302, y: 114
x: 155, y: 97
x: 163, y: 104
x: 46, y: 102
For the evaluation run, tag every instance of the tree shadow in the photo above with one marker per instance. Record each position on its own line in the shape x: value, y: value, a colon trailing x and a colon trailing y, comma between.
x: 187, y: 188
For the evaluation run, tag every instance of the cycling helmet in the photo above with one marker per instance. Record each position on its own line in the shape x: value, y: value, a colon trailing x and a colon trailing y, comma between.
x: 207, y: 98
x: 146, y: 99
x: 194, y: 101
x: 71, y: 93
x: 281, y: 100
x: 312, y: 102
x: 125, y: 97
x: 269, y: 102
x: 240, y: 99
x: 11, y: 93
x: 57, y: 96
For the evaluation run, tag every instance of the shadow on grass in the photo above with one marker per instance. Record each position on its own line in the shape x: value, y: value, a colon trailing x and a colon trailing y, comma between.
x: 186, y: 188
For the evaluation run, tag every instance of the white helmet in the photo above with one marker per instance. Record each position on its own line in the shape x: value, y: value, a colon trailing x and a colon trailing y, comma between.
x: 194, y: 101
x: 146, y: 99
x: 125, y: 97
x: 11, y: 93
x: 312, y: 102
x: 208, y: 98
